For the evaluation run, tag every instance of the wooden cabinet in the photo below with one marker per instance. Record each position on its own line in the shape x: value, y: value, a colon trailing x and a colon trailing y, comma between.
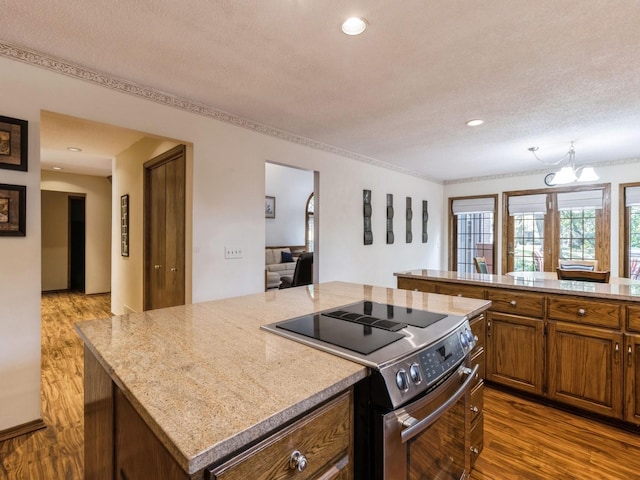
x: 416, y: 284
x: 515, y: 352
x: 633, y: 318
x: 476, y: 399
x: 323, y: 440
x: 585, y: 367
x: 632, y: 378
x: 460, y: 290
x: 585, y: 311
x: 517, y: 303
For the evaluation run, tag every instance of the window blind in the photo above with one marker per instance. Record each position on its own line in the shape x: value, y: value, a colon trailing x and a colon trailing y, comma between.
x: 580, y: 200
x: 528, y: 204
x: 631, y: 196
x: 473, y: 205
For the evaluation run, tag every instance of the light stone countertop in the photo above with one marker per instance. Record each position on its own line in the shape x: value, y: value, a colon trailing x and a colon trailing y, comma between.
x: 208, y: 381
x: 616, y: 289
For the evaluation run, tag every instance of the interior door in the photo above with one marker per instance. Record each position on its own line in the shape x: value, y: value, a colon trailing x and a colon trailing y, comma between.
x: 165, y: 229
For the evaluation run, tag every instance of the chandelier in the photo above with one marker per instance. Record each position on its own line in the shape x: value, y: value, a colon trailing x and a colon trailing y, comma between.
x: 568, y: 173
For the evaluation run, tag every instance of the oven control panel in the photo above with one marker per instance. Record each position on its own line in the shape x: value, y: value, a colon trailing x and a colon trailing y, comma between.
x: 421, y: 370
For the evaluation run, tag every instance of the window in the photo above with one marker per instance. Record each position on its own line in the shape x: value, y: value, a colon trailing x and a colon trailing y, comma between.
x: 472, y: 222
x: 309, y: 223
x: 630, y: 230
x: 560, y: 224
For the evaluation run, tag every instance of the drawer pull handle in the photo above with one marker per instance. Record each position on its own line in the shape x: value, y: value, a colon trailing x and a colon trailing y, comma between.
x: 629, y: 356
x: 513, y: 303
x: 582, y: 312
x: 474, y: 409
x: 474, y: 450
x: 298, y: 461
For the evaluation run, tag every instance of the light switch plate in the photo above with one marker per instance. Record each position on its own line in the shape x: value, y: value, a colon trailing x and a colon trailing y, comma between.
x: 232, y: 252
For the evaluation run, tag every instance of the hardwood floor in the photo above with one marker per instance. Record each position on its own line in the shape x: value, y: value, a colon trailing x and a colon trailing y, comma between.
x: 523, y: 439
x: 56, y: 452
x: 529, y: 441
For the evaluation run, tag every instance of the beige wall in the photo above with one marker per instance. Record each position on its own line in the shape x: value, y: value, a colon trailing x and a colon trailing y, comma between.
x: 128, y: 175
x: 55, y: 240
x: 97, y: 191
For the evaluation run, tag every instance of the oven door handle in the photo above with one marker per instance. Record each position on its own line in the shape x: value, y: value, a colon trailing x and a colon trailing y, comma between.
x: 415, y: 426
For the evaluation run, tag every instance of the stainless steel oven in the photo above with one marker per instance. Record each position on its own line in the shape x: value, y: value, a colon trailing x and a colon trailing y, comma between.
x: 411, y: 412
x: 426, y: 439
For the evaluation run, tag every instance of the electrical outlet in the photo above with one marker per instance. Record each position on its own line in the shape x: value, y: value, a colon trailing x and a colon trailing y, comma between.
x: 232, y: 252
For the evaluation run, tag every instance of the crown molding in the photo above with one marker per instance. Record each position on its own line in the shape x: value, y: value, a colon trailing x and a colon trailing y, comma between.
x: 69, y: 69
x: 608, y: 163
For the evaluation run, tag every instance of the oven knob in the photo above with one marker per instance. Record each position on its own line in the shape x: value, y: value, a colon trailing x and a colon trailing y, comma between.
x: 463, y: 340
x: 401, y: 380
x: 414, y: 373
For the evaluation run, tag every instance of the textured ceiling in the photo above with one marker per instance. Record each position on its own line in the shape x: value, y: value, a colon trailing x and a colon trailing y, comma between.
x: 540, y: 73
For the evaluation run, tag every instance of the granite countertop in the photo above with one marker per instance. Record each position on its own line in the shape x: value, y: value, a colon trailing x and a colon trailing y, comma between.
x: 617, y: 288
x: 208, y: 381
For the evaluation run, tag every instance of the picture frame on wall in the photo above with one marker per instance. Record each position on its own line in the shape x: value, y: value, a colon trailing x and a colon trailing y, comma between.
x: 124, y: 225
x: 269, y: 207
x: 13, y: 210
x: 14, y: 143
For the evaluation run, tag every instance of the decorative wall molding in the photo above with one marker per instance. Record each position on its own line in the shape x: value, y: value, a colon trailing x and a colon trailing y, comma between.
x: 69, y: 69
x: 609, y: 163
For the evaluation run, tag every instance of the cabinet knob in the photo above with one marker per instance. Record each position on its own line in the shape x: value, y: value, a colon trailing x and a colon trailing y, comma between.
x: 582, y: 312
x: 157, y: 267
x: 513, y: 303
x: 298, y: 461
x: 474, y: 409
x: 174, y: 269
x: 474, y: 450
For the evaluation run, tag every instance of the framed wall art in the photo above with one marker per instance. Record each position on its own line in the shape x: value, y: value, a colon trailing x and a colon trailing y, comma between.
x: 13, y: 210
x: 124, y: 225
x: 269, y: 207
x: 13, y: 143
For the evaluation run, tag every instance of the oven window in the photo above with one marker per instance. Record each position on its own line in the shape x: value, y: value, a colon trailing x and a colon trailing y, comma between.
x: 438, y: 453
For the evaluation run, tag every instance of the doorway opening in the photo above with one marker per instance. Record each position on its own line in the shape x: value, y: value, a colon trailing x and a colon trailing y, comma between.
x: 77, y: 246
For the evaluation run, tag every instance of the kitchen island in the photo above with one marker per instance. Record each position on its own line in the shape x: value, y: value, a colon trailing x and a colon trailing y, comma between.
x: 183, y: 388
x: 575, y: 343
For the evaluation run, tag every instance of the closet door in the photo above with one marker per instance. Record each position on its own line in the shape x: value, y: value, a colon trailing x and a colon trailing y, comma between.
x: 165, y: 230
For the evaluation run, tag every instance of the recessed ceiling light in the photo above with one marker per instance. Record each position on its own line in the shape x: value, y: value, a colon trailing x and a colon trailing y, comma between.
x: 354, y: 26
x: 475, y: 122
x: 56, y: 168
x: 74, y: 149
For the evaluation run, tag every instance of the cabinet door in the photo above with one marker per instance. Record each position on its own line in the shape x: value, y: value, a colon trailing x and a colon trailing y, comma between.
x: 632, y: 378
x: 515, y: 352
x: 585, y: 368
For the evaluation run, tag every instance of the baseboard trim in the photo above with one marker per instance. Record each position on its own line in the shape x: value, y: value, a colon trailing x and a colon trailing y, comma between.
x: 22, y: 429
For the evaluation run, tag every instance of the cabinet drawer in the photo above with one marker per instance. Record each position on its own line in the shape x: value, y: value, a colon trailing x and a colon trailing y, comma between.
x: 477, y: 438
x: 458, y: 290
x: 480, y: 360
x: 507, y: 301
x: 633, y: 318
x: 476, y: 402
x: 580, y: 310
x: 415, y: 284
x: 323, y: 437
x: 479, y: 329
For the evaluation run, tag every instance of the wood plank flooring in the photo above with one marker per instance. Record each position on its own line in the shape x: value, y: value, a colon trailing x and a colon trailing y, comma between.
x: 523, y: 439
x: 57, y: 452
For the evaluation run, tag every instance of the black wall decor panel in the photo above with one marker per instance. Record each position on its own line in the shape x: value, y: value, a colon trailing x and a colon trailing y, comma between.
x: 409, y: 217
x: 389, y: 218
x: 366, y: 212
x: 425, y: 219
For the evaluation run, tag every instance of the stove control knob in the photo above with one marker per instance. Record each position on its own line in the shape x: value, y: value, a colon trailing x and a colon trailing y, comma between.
x: 401, y: 380
x: 464, y: 340
x: 414, y: 373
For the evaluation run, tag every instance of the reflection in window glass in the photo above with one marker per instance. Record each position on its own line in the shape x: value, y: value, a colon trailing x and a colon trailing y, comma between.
x: 528, y: 242
x: 474, y: 239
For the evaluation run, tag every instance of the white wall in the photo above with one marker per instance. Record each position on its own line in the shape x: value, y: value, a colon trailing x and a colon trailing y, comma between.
x: 227, y: 207
x: 55, y: 240
x: 97, y: 191
x: 291, y: 187
x: 128, y: 178
x: 626, y: 172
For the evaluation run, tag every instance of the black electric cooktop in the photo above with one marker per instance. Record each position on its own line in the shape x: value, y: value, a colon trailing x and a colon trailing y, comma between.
x: 363, y: 327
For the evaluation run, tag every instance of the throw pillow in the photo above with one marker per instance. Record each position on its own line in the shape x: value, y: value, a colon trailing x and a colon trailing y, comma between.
x: 286, y: 257
x: 586, y: 268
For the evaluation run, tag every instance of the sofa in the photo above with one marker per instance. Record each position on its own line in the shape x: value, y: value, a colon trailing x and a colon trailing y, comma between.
x: 280, y: 262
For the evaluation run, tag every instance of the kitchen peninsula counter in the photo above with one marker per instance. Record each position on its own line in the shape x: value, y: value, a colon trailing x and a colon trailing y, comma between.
x: 207, y: 381
x: 547, y: 282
